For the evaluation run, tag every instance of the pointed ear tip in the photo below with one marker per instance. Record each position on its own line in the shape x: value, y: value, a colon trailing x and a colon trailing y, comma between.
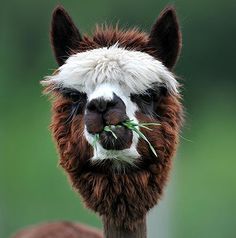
x: 59, y: 9
x: 169, y: 10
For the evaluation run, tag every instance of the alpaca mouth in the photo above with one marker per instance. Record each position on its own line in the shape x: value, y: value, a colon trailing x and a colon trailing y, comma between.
x: 119, y: 138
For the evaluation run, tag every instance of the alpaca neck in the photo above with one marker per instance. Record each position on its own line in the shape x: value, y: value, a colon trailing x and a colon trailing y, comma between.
x: 112, y: 231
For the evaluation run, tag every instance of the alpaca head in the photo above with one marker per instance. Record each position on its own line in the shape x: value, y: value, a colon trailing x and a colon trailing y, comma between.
x: 105, y: 80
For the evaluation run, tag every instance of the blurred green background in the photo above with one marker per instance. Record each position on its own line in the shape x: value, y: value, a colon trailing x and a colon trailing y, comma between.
x: 201, y: 197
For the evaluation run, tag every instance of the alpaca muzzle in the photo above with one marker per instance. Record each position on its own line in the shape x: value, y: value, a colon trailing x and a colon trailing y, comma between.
x: 101, y: 112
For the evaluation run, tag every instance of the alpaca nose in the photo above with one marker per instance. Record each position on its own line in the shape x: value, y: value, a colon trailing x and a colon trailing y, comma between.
x: 101, y: 112
x: 98, y: 105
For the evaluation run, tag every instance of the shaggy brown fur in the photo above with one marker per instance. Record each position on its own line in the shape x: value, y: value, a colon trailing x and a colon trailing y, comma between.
x: 59, y: 230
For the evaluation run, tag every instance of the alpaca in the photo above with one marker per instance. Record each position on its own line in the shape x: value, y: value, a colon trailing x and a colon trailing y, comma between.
x: 104, y: 80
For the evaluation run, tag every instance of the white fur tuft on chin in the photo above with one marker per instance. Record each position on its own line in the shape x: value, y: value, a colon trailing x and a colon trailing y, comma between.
x: 99, y: 153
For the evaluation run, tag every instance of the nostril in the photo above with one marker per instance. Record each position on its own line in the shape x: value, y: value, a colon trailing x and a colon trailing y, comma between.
x: 91, y: 106
x: 99, y: 105
x: 102, y: 106
x: 111, y: 103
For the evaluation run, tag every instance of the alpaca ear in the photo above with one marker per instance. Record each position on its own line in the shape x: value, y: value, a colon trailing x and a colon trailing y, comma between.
x: 165, y: 37
x: 64, y: 35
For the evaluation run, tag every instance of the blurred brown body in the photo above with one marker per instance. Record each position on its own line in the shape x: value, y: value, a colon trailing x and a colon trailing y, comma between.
x: 59, y: 230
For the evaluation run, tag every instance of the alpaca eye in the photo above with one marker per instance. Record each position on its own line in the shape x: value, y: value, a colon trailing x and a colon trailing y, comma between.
x: 147, y: 98
x: 71, y: 94
x: 74, y: 96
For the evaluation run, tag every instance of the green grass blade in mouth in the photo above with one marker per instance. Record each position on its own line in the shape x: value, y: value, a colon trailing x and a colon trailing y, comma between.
x: 145, y: 138
x: 149, y: 124
x: 95, y: 141
x: 146, y: 124
x: 109, y: 129
x: 145, y: 127
x: 133, y: 126
x: 130, y: 124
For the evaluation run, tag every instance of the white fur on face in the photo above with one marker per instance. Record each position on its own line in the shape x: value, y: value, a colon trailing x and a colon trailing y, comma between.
x: 104, y: 71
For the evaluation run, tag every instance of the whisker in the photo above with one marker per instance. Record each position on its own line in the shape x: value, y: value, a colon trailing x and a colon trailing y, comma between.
x: 186, y: 139
x: 73, y: 113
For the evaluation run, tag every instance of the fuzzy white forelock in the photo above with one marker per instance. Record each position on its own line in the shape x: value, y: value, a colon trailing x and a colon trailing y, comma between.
x: 133, y: 71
